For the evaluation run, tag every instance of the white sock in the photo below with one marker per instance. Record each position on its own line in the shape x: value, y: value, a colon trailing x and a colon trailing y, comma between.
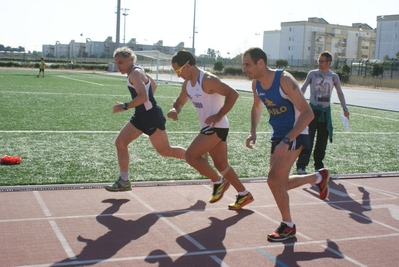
x: 124, y: 176
x: 319, y: 178
x: 289, y: 224
x: 220, y: 181
x: 243, y: 193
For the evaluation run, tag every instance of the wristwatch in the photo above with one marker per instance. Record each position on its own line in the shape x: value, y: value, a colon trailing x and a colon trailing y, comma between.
x: 286, y: 140
x: 124, y: 106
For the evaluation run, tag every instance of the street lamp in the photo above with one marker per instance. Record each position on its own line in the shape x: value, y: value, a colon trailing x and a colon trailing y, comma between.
x: 118, y: 16
x: 379, y: 38
x: 80, y: 47
x: 193, y: 48
x: 257, y: 36
x: 125, y: 10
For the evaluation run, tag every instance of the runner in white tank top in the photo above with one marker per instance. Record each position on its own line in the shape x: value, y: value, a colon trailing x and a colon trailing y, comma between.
x: 213, y: 99
x: 206, y: 104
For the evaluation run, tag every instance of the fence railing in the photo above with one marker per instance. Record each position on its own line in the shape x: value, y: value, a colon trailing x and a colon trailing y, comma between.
x: 358, y: 67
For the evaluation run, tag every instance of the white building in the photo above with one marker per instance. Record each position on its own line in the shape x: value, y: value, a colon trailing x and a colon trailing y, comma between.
x: 301, y: 42
x: 105, y: 49
x: 387, y: 39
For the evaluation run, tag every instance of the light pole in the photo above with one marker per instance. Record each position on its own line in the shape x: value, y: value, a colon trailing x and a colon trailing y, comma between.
x: 359, y: 45
x: 379, y: 37
x: 193, y: 48
x: 118, y: 17
x: 257, y: 36
x: 81, y: 48
x: 125, y: 10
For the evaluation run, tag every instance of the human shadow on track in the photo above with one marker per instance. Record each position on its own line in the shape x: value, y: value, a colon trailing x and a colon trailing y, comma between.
x: 340, y: 199
x: 291, y: 258
x: 121, y: 232
x: 204, y: 247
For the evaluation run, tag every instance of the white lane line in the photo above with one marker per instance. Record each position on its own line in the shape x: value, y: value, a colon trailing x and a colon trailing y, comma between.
x: 64, y: 243
x: 210, y: 252
x: 365, y: 218
x: 180, y: 231
x: 180, y: 132
x: 60, y: 132
x: 78, y: 80
x: 375, y: 117
x: 42, y: 205
x: 343, y: 256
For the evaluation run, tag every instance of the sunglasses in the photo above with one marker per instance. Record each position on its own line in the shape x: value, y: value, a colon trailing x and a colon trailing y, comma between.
x: 179, y: 70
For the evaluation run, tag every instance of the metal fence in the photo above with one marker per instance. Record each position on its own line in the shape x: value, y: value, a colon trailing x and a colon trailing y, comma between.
x: 358, y: 67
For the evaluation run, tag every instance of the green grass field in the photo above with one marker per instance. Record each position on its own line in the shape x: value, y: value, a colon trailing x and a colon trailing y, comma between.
x: 63, y: 129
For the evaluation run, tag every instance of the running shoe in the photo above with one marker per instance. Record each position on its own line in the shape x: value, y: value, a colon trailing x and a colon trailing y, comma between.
x: 301, y: 171
x: 241, y: 201
x: 218, y: 191
x: 119, y: 186
x: 282, y: 233
x: 323, y: 185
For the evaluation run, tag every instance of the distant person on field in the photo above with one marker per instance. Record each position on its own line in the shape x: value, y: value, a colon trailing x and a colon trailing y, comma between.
x: 148, y: 117
x: 321, y: 81
x: 289, y: 116
x: 42, y: 64
x: 212, y: 99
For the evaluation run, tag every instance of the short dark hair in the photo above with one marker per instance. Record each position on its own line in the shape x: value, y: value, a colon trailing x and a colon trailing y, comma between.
x: 255, y: 54
x: 327, y: 55
x: 182, y: 57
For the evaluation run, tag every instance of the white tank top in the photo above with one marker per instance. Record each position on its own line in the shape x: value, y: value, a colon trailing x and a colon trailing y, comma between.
x: 206, y: 104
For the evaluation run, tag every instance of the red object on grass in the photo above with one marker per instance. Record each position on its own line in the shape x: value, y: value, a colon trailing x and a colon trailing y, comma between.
x: 10, y: 160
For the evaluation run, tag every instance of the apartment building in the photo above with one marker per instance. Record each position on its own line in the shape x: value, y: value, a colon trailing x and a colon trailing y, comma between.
x: 387, y: 36
x: 300, y: 42
x: 103, y: 49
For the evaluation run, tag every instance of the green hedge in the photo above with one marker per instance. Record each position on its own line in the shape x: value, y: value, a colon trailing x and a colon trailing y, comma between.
x: 12, y: 64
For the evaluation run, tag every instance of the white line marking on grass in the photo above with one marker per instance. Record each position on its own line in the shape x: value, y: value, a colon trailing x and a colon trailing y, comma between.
x: 170, y: 132
x: 61, y: 132
x: 376, y: 117
x: 83, y: 81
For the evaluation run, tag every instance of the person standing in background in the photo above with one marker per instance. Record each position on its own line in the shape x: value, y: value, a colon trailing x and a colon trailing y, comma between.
x: 42, y: 65
x: 321, y: 81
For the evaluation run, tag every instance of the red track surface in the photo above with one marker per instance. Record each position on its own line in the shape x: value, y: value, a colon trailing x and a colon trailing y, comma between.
x: 358, y: 225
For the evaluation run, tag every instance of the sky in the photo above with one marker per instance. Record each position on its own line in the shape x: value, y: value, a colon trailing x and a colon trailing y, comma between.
x: 227, y: 26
